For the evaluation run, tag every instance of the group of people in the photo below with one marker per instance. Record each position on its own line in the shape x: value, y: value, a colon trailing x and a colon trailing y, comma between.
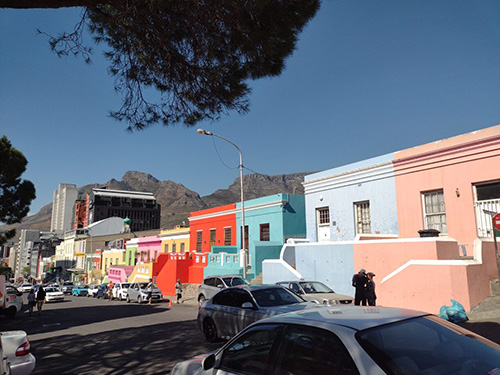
x: 36, y: 299
x: 365, y: 288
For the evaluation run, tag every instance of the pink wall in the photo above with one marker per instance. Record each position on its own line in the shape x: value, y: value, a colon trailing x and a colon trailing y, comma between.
x: 151, y: 245
x: 424, y: 273
x: 450, y: 164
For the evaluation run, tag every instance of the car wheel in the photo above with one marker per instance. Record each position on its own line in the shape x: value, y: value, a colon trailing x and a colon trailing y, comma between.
x: 210, y: 330
x: 201, y: 298
x: 139, y: 299
x: 11, y: 312
x: 128, y: 299
x: 120, y: 298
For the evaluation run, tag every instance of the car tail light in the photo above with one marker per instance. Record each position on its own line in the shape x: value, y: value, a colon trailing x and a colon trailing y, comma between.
x: 23, y: 349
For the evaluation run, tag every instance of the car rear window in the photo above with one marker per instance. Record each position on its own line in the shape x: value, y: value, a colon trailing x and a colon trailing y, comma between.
x: 275, y: 297
x: 432, y: 345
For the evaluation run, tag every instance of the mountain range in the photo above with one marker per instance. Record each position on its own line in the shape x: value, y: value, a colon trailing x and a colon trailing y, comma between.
x: 177, y: 201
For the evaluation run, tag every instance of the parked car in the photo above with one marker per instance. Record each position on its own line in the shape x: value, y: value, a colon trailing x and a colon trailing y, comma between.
x: 317, y: 292
x: 17, y: 350
x: 92, y: 291
x: 67, y: 287
x: 12, y: 303
x: 25, y: 288
x: 348, y: 339
x: 80, y: 290
x: 213, y: 284
x: 232, y: 309
x: 137, y: 292
x: 53, y: 294
x: 119, y: 291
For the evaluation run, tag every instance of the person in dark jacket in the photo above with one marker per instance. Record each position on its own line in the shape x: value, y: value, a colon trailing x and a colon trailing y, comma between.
x: 370, y: 289
x: 359, y: 281
x: 40, y: 299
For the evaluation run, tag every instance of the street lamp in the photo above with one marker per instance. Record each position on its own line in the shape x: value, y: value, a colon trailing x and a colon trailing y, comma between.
x: 243, y: 247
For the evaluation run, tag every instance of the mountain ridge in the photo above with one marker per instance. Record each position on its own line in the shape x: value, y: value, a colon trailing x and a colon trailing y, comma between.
x: 175, y: 199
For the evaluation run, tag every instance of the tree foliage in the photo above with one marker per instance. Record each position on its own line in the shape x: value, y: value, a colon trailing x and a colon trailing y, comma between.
x: 15, y: 194
x: 198, y: 55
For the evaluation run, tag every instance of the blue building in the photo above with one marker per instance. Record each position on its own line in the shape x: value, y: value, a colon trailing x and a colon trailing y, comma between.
x: 269, y: 222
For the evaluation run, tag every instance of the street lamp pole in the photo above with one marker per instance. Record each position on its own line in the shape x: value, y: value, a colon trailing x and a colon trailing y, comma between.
x: 243, y: 247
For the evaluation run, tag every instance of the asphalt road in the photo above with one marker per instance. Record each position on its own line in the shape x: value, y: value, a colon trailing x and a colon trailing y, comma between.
x: 88, y: 336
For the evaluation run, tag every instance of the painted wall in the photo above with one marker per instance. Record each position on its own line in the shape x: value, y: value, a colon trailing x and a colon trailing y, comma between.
x: 454, y: 165
x: 131, y: 248
x: 339, y: 188
x: 175, y: 240
x: 285, y: 214
x: 216, y: 218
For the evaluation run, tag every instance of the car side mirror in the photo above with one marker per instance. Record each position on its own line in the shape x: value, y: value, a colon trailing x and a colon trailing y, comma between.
x: 220, y: 286
x: 247, y: 306
x: 208, y: 362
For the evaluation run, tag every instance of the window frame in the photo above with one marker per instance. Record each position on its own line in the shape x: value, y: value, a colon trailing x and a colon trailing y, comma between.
x: 265, y: 232
x: 427, y: 215
x: 362, y: 217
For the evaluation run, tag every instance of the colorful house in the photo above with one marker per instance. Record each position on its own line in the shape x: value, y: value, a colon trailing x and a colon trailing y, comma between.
x: 175, y: 240
x: 269, y: 222
x: 148, y: 250
x: 378, y: 214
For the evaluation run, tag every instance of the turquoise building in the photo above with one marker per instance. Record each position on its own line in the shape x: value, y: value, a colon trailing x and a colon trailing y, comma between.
x: 269, y: 222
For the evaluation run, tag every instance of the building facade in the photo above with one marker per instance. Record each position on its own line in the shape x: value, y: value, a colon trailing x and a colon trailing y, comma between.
x: 62, y: 208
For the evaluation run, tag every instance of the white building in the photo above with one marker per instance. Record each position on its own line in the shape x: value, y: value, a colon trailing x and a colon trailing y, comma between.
x: 62, y: 208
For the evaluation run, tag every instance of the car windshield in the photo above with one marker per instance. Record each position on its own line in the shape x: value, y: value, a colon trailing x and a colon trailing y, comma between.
x: 233, y: 281
x: 51, y: 289
x: 431, y: 345
x: 275, y: 297
x: 125, y: 285
x: 143, y: 285
x: 315, y: 287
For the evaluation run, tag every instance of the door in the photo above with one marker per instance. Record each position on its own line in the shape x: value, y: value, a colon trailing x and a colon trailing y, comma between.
x: 323, y: 223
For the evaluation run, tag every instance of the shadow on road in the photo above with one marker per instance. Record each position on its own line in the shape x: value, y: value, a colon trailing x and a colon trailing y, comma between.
x: 490, y: 330
x: 86, y: 315
x: 142, y: 350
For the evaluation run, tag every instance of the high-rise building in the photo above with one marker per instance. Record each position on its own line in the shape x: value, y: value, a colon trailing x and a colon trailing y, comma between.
x: 140, y: 207
x: 62, y: 208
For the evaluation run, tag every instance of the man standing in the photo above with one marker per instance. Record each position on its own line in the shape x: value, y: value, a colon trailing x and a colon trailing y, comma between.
x: 359, y: 281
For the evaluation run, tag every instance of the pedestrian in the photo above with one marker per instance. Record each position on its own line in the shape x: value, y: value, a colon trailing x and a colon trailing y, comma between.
x: 31, y: 301
x: 370, y: 289
x: 110, y: 290
x: 178, y: 290
x: 149, y: 290
x: 359, y: 281
x: 40, y: 299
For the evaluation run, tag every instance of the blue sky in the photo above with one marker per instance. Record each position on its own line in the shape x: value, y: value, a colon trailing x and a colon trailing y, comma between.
x: 368, y: 78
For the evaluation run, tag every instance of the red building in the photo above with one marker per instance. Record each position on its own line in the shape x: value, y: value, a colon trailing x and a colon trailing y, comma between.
x: 213, y: 227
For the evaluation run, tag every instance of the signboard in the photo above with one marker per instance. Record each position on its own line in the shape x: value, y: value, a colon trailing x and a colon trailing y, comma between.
x: 496, y: 224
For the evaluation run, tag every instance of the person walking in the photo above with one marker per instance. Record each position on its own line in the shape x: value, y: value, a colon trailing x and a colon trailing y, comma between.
x: 110, y: 290
x: 40, y: 299
x: 359, y: 282
x: 149, y: 290
x: 31, y: 301
x: 370, y: 289
x: 178, y: 290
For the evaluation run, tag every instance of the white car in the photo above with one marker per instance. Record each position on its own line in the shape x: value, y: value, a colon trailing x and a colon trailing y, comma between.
x: 353, y: 340
x: 13, y: 301
x: 25, y: 288
x: 53, y: 294
x: 119, y: 291
x: 92, y: 291
x: 17, y: 349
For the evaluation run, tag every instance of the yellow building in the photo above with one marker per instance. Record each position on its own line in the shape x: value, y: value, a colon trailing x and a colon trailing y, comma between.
x: 113, y: 257
x: 175, y: 240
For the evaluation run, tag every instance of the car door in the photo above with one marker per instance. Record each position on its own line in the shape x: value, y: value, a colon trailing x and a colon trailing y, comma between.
x: 247, y: 315
x: 224, y: 313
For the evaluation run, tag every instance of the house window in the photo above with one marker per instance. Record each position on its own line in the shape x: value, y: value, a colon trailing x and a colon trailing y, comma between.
x: 324, y: 215
x: 174, y: 247
x: 487, y: 201
x: 227, y: 236
x: 183, y: 247
x: 363, y: 221
x: 434, y: 211
x: 198, y: 240
x: 264, y: 232
x: 212, y: 238
x: 166, y: 247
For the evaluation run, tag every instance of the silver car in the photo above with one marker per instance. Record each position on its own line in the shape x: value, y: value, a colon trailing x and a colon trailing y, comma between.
x: 137, y: 292
x: 211, y: 285
x: 232, y: 309
x: 17, y: 349
x: 351, y: 340
x: 317, y: 292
